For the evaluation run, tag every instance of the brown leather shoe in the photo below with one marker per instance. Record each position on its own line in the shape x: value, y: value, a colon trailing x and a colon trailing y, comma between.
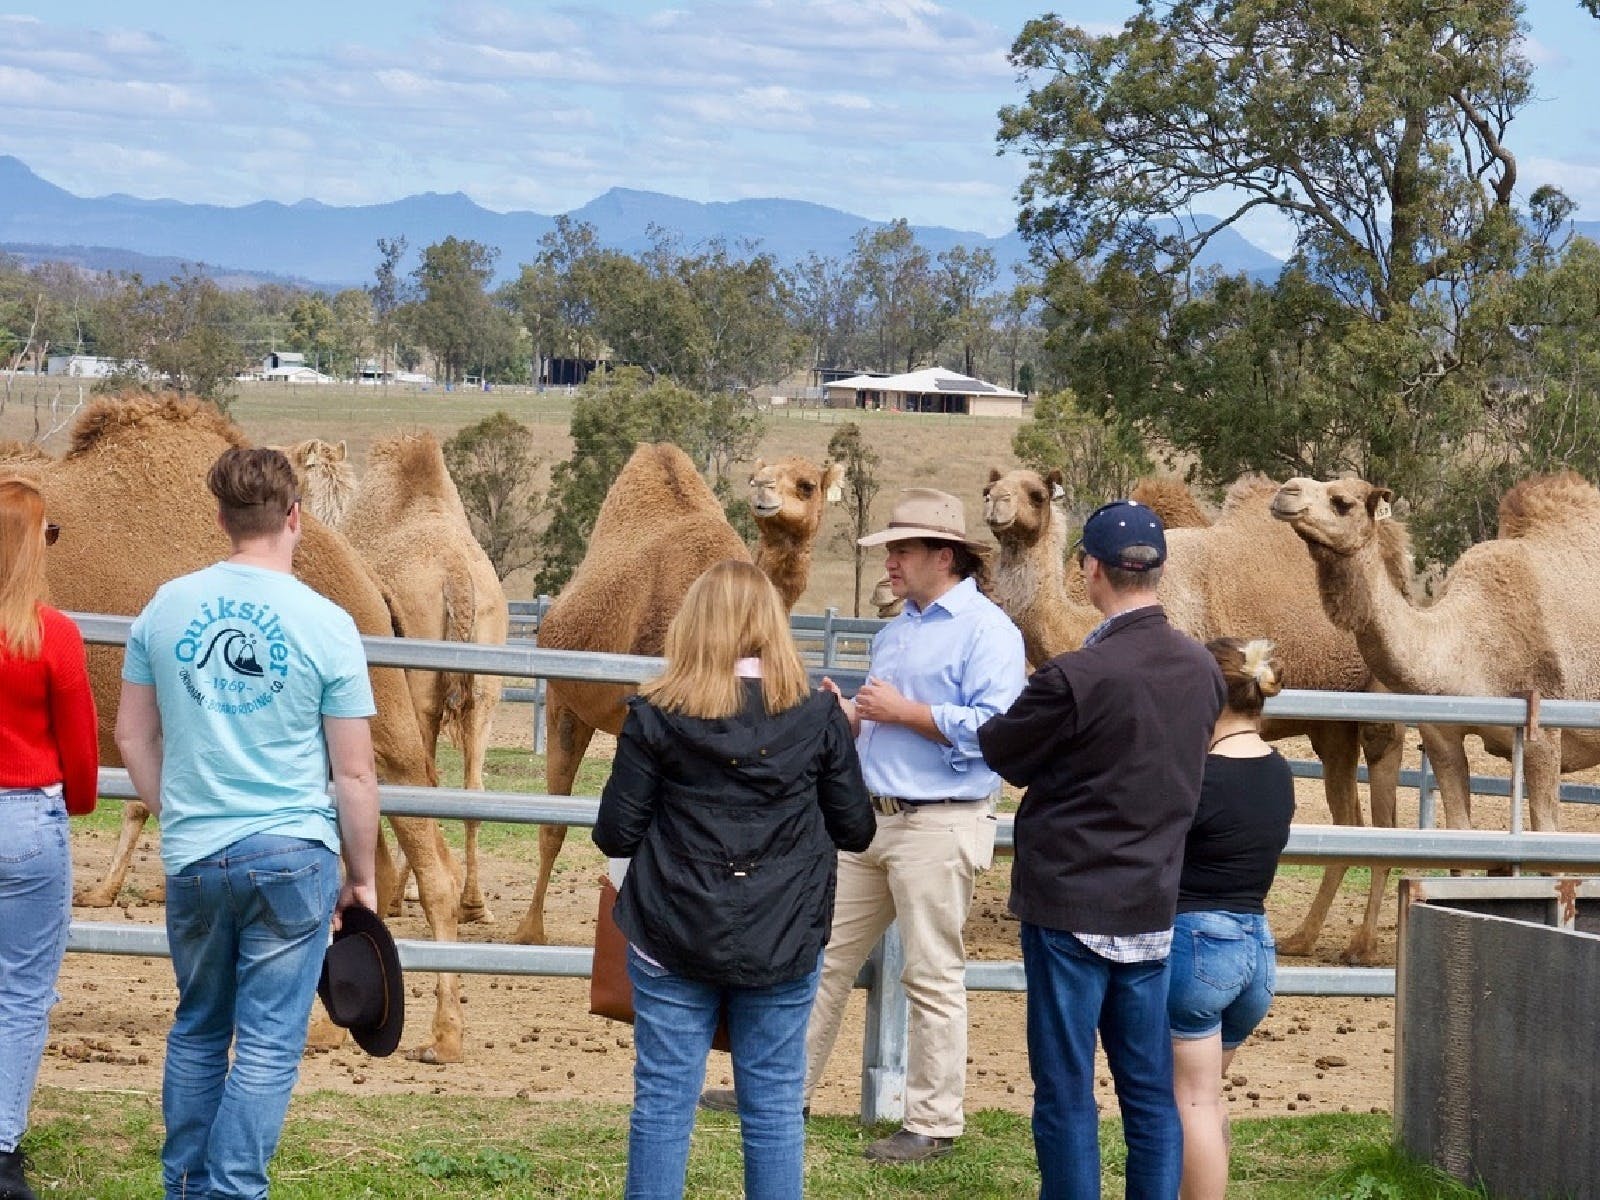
x: 908, y: 1147
x: 719, y: 1100
x: 727, y: 1100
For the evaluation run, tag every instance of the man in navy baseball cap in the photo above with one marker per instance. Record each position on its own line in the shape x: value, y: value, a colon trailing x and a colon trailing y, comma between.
x: 1125, y: 535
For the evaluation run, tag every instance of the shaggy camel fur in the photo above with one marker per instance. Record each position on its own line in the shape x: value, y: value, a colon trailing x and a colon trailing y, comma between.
x: 131, y: 499
x: 406, y: 519
x: 1172, y: 502
x: 1236, y: 577
x: 327, y: 478
x: 658, y: 528
x: 1514, y: 616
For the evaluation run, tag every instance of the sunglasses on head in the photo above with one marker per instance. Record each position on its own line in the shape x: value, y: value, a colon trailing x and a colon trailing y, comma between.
x: 52, y: 532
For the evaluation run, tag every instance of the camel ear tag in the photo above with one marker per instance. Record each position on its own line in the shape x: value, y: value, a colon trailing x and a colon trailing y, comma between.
x: 1383, y: 512
x: 835, y: 493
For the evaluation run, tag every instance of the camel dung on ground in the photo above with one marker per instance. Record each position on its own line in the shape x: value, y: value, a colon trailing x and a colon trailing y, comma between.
x: 406, y: 519
x: 1236, y: 577
x: 1515, y: 615
x: 659, y: 527
x: 131, y: 499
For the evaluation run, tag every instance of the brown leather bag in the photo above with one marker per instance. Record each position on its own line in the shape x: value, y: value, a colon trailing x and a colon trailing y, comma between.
x: 610, y: 989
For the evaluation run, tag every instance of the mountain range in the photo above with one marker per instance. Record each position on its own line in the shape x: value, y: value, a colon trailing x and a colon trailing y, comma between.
x: 324, y: 245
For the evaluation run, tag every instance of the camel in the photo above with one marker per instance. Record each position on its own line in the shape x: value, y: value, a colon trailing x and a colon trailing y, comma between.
x: 1030, y: 578
x: 787, y: 499
x: 131, y: 499
x: 1235, y: 576
x: 1514, y: 616
x: 885, y: 601
x: 406, y: 520
x: 658, y: 528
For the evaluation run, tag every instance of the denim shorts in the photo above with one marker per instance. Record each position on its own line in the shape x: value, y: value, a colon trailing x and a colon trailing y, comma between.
x: 1224, y: 973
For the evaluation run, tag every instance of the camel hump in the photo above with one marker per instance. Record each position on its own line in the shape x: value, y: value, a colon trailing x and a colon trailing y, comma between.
x: 104, y: 419
x: 1544, y: 503
x: 415, y: 457
x: 1249, y: 492
x: 1172, y: 501
x: 657, y: 480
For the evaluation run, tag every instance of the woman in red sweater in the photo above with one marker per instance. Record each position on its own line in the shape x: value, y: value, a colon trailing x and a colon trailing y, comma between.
x: 49, y: 767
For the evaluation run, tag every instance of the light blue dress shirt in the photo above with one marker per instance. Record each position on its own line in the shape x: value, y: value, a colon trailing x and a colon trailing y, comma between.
x: 963, y: 658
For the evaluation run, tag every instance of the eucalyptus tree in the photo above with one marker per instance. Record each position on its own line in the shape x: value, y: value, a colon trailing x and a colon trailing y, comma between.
x: 1377, y: 131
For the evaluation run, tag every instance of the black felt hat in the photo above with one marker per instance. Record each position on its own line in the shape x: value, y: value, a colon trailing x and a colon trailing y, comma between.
x: 361, y: 982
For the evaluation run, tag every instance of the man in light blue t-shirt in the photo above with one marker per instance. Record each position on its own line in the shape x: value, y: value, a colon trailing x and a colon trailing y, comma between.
x: 242, y: 689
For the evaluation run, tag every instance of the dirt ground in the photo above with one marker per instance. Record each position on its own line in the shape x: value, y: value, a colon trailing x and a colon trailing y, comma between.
x: 533, y: 1038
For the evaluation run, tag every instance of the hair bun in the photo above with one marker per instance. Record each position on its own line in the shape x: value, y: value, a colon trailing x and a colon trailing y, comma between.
x: 1259, y: 666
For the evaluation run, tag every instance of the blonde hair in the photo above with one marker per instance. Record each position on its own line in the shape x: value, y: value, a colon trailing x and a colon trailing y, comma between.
x: 1251, y: 670
x: 731, y: 612
x: 22, y: 586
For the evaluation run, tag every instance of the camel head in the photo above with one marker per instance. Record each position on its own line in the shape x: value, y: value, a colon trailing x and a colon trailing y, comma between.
x: 327, y: 480
x: 1338, y: 517
x: 789, y: 494
x: 1017, y: 505
x: 884, y: 600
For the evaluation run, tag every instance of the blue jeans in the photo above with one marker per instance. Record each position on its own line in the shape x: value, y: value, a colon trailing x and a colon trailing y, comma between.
x: 1224, y: 972
x: 35, y: 907
x: 248, y: 928
x: 674, y: 1021
x: 1072, y: 993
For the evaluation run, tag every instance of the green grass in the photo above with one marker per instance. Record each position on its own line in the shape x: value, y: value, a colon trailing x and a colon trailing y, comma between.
x: 106, y: 1146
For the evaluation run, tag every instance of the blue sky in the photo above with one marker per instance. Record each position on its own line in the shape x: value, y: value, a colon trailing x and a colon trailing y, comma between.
x: 882, y: 107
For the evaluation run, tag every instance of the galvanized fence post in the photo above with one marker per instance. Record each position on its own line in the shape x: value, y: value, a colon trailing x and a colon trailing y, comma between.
x: 541, y: 606
x: 883, y: 1051
x: 1427, y: 818
x: 830, y: 638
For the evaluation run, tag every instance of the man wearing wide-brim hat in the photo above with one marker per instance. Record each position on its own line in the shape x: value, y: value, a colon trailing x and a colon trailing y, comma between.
x: 950, y: 661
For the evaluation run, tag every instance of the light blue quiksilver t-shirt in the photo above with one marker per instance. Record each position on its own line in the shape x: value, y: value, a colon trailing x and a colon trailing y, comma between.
x: 245, y: 662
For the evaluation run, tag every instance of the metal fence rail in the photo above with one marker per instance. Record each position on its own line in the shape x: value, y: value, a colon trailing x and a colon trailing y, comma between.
x: 883, y: 1069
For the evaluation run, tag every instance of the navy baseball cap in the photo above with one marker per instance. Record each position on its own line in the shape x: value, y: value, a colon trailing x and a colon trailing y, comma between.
x: 1114, y: 529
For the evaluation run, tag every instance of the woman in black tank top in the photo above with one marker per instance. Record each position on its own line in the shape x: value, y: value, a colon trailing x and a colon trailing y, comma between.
x: 1223, y: 956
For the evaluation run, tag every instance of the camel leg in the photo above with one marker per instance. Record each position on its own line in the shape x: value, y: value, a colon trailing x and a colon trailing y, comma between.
x: 1335, y: 743
x: 1446, y: 746
x: 104, y: 894
x: 475, y: 726
x: 439, y: 887
x: 567, y: 738
x: 1384, y: 747
x: 1541, y: 777
x: 397, y: 897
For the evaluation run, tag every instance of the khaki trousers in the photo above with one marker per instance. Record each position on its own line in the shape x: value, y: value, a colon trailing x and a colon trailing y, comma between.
x: 919, y: 868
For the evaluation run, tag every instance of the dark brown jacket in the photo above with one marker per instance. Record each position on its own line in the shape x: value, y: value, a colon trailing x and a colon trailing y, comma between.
x: 1110, y: 742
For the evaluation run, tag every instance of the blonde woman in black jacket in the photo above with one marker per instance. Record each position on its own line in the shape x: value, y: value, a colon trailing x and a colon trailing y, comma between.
x: 733, y: 788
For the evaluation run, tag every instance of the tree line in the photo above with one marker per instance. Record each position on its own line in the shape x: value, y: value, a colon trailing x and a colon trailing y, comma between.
x: 709, y: 317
